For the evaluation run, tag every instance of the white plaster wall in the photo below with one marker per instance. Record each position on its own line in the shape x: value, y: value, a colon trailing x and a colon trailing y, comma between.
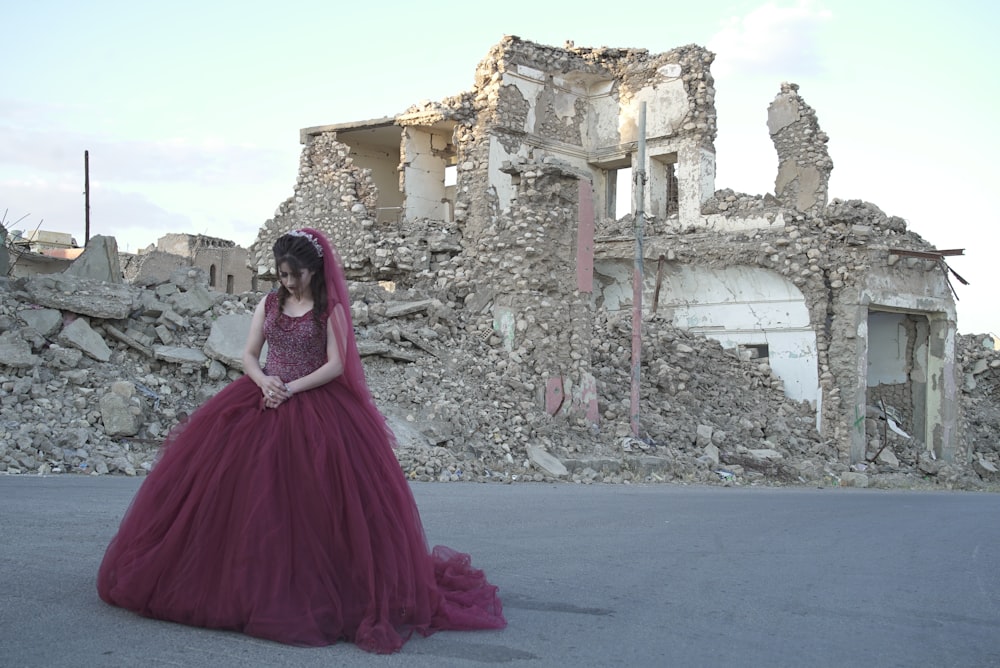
x: 530, y: 82
x: 925, y: 291
x: 733, y: 305
x: 423, y: 177
x: 666, y: 107
x: 887, y: 342
x: 707, y: 175
x: 385, y: 173
x: 567, y: 94
x: 501, y: 182
x: 601, y: 127
x: 690, y: 183
x: 717, y: 222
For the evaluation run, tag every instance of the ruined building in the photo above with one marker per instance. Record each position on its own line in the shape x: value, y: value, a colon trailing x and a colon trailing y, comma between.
x: 224, y: 263
x: 502, y: 202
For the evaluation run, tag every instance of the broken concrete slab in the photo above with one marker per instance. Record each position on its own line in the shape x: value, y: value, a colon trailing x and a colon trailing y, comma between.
x: 78, y: 334
x: 45, y: 321
x: 83, y: 296
x: 766, y: 454
x: 15, y: 352
x: 179, y: 355
x: 129, y: 340
x: 407, y: 308
x: 546, y: 462
x: 118, y: 415
x: 853, y: 479
x: 99, y: 261
x: 228, y: 338
x: 193, y: 301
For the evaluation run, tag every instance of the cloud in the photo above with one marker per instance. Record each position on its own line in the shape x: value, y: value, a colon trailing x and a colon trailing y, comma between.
x: 771, y: 41
x: 34, y: 142
x: 130, y: 217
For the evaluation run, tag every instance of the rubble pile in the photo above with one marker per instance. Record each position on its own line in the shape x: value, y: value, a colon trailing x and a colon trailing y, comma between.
x: 96, y: 392
x: 93, y: 375
x: 980, y: 387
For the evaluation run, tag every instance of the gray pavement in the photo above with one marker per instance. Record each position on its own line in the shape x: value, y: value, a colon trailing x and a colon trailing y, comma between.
x: 590, y: 576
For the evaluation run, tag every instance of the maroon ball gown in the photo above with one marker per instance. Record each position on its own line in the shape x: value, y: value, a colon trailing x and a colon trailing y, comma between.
x: 294, y: 524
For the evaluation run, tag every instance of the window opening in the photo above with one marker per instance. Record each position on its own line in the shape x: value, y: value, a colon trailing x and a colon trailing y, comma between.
x: 623, y: 192
x: 673, y: 204
x: 753, y: 351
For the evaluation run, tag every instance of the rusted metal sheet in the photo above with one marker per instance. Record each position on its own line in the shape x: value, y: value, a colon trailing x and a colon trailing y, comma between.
x: 585, y: 238
x: 938, y: 255
x: 928, y: 255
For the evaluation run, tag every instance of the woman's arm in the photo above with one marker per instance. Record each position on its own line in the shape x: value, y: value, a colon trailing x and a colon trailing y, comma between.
x: 251, y: 356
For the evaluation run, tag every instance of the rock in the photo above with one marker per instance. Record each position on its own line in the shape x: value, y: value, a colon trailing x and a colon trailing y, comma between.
x: 15, y: 352
x: 129, y: 339
x: 546, y: 462
x: 179, y: 355
x: 929, y: 465
x: 216, y: 370
x: 227, y: 339
x: 766, y: 454
x: 45, y: 321
x: 164, y: 335
x: 99, y: 261
x: 194, y: 301
x: 173, y: 319
x: 407, y: 308
x: 80, y: 295
x: 853, y: 479
x: 79, y: 335
x: 366, y: 348
x: 980, y: 366
x: 888, y: 458
x: 117, y: 415
x: 985, y: 469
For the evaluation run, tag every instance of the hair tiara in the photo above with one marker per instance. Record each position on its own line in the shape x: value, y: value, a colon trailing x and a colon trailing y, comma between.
x: 313, y: 240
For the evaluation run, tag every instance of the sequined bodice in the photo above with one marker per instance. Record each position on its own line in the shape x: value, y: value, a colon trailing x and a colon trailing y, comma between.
x: 295, y: 346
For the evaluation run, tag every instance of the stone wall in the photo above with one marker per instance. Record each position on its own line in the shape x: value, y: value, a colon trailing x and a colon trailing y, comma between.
x: 804, y: 165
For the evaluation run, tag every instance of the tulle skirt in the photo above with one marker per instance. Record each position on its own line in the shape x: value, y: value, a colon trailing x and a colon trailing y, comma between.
x: 294, y: 524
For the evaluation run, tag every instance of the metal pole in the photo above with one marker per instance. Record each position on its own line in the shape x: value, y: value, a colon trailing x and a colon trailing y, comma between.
x: 86, y: 197
x: 639, y: 180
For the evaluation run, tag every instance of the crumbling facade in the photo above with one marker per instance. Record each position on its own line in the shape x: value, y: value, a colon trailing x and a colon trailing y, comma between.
x: 224, y: 263
x: 502, y: 202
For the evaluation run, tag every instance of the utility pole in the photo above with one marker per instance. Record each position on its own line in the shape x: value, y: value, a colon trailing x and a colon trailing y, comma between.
x: 639, y: 179
x: 86, y: 198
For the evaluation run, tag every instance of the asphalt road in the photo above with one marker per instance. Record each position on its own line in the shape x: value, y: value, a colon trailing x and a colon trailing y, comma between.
x: 590, y: 576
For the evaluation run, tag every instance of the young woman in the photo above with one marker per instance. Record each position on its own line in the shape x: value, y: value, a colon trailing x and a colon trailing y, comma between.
x: 279, y: 508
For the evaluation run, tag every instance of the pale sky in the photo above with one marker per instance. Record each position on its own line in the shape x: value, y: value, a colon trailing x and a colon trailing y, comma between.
x: 191, y: 109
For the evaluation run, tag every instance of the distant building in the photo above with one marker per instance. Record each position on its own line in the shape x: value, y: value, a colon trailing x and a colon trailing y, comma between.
x: 224, y: 263
x: 39, y: 252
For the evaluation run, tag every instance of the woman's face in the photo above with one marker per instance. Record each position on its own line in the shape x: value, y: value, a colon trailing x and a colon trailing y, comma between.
x: 296, y: 283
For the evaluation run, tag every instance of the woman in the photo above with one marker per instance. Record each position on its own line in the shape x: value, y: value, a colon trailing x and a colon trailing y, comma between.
x: 279, y: 508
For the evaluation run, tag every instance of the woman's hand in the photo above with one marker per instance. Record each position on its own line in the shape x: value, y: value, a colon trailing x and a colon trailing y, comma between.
x: 275, y: 391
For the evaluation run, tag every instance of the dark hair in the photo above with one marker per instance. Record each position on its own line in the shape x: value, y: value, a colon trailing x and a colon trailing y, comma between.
x: 299, y: 252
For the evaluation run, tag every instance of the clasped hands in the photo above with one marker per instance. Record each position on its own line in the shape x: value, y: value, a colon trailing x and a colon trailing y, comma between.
x: 275, y: 392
